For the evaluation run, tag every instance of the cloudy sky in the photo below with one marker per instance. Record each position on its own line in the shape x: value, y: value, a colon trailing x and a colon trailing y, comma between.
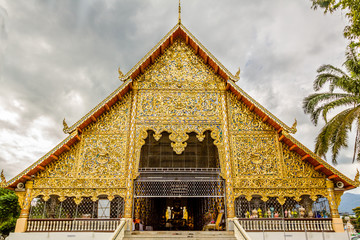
x: 60, y: 58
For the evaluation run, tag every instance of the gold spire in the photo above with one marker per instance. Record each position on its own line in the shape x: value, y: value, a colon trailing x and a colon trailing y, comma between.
x: 179, y: 13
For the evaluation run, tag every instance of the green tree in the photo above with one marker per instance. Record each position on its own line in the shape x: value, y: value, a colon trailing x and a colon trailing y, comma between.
x: 334, y: 135
x: 352, y: 9
x: 9, y: 211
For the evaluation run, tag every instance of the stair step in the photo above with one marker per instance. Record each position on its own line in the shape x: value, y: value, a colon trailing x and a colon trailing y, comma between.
x: 179, y: 235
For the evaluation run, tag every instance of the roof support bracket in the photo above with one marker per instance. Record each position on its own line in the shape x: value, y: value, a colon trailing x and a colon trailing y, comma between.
x: 281, y: 138
x: 305, y: 157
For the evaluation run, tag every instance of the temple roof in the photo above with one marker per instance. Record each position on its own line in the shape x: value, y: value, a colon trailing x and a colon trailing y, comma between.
x: 180, y: 31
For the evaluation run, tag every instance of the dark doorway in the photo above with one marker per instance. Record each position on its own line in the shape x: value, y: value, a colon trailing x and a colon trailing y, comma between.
x: 157, y: 214
x: 160, y: 154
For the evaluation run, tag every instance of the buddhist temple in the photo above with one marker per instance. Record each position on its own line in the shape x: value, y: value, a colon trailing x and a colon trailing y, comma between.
x: 179, y: 146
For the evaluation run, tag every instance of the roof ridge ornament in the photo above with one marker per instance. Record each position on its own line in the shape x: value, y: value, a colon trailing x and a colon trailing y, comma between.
x: 179, y: 21
x: 293, y: 129
x: 66, y: 128
x: 121, y: 75
x: 237, y: 75
x: 356, y: 179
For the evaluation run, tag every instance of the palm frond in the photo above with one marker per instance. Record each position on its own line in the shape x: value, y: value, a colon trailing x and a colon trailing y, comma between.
x: 345, y: 101
x: 335, y: 133
x: 312, y: 102
x: 357, y: 143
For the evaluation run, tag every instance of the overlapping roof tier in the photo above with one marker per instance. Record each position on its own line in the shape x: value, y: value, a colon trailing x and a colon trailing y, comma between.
x: 180, y: 31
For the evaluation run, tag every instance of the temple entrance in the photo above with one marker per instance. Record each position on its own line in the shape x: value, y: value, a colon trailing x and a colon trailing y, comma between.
x: 167, y: 214
x: 179, y: 191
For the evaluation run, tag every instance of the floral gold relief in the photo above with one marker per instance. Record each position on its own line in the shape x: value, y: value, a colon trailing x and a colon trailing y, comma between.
x: 94, y: 166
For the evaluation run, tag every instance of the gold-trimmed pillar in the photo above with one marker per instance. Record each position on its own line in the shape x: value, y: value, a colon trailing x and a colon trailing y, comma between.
x: 336, y: 220
x: 226, y: 168
x: 131, y: 156
x: 21, y: 223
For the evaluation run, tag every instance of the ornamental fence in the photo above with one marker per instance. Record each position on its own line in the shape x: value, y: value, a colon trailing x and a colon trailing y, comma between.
x: 283, y: 224
x: 72, y: 225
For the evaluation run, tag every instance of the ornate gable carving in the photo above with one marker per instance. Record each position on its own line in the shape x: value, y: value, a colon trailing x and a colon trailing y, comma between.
x: 94, y: 166
x: 114, y: 121
x: 297, y: 168
x: 242, y: 119
x: 62, y: 168
x: 255, y: 155
x: 262, y: 165
x: 179, y: 68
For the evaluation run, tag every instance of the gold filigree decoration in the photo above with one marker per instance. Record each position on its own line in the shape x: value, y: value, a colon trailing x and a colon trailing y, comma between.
x: 179, y: 67
x: 297, y: 198
x: 279, y: 192
x: 62, y: 169
x: 255, y: 154
x: 62, y: 198
x: 281, y: 200
x: 264, y: 198
x: 21, y: 197
x: 101, y: 155
x: 242, y: 119
x: 94, y: 193
x: 115, y: 121
x: 337, y: 196
x: 95, y: 165
x: 157, y: 136
x: 296, y: 168
x: 176, y: 105
x: 200, y: 137
x: 179, y: 141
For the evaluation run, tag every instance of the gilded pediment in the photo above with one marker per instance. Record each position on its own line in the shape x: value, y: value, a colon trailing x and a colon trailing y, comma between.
x: 179, y: 68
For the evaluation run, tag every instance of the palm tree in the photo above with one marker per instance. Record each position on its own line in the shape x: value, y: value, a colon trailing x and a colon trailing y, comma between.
x: 335, y: 133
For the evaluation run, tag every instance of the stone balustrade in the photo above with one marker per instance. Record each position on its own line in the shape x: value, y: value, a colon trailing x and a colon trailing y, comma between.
x: 73, y: 225
x: 284, y: 224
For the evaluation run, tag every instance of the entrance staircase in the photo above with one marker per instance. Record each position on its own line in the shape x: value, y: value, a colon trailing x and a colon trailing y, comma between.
x: 179, y: 235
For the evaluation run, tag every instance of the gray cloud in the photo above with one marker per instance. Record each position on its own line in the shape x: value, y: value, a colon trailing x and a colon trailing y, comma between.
x: 60, y: 58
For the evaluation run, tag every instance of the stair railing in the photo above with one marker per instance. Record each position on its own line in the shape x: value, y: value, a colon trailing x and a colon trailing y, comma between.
x: 120, y: 230
x: 239, y: 232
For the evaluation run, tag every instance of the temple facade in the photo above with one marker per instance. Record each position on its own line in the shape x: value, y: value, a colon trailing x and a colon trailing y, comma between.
x: 179, y: 146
